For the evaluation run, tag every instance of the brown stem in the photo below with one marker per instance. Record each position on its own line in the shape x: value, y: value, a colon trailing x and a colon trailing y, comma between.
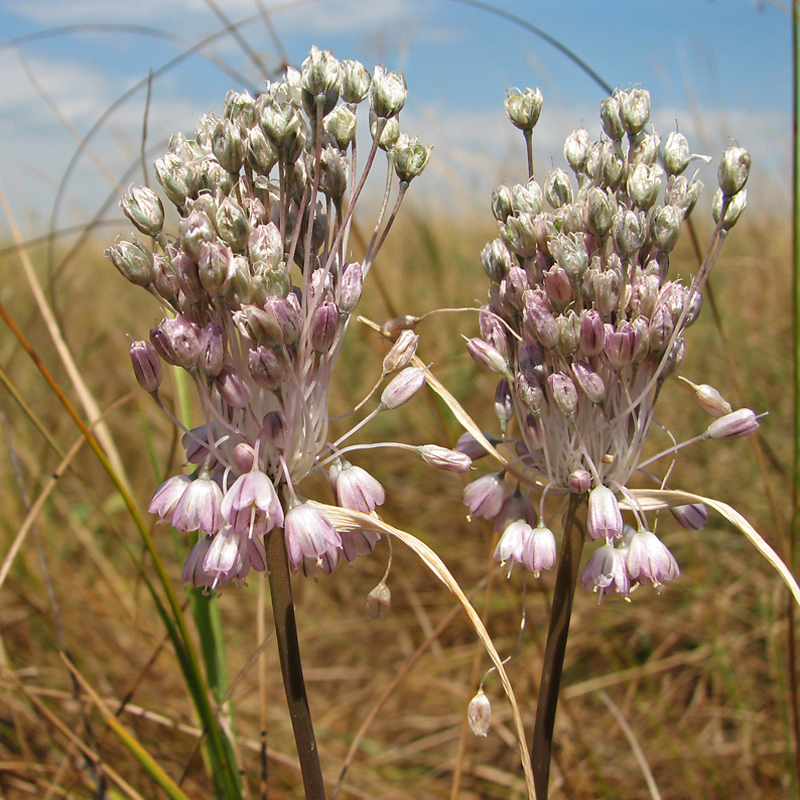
x: 280, y: 588
x: 563, y: 594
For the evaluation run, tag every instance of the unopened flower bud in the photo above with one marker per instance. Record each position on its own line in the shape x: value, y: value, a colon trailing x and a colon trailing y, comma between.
x: 349, y: 287
x: 444, y: 458
x: 579, y: 481
x: 666, y: 227
x: 401, y: 353
x: 644, y: 182
x: 323, y: 326
x: 589, y: 381
x: 605, y: 518
x: 741, y: 422
x: 212, y: 350
x: 610, y: 118
x: 709, y: 399
x: 403, y: 387
x: 320, y: 76
x: 356, y: 81
x: 171, y: 175
x: 194, y: 230
x: 479, y: 713
x: 563, y: 392
x: 388, y: 93
x: 599, y: 211
x: 576, y: 149
x: 734, y: 206
x: 557, y: 188
x: 379, y: 601
x: 676, y: 153
x: 634, y: 109
x: 394, y: 326
x: 133, y: 260
x: 733, y: 170
x: 524, y: 108
x: 410, y: 157
x: 146, y: 366
x: 502, y: 204
x: 487, y: 356
x: 227, y: 145
x: 693, y: 516
x: 232, y: 388
x: 142, y: 206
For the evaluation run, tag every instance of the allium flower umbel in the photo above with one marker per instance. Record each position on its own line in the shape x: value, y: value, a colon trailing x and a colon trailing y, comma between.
x: 257, y: 294
x: 584, y: 325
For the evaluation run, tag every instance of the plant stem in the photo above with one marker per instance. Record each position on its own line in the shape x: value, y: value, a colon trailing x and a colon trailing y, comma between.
x: 291, y: 669
x: 563, y: 594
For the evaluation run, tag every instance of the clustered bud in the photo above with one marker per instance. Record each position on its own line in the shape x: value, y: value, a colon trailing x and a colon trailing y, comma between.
x: 583, y: 325
x: 259, y: 296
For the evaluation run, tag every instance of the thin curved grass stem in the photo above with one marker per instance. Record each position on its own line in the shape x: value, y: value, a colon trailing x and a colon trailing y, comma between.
x: 563, y: 593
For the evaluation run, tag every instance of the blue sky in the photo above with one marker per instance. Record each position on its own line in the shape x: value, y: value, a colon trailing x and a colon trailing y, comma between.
x: 722, y: 69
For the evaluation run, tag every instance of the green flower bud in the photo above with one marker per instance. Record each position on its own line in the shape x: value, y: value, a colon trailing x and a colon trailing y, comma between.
x: 576, y: 149
x: 232, y: 224
x: 676, y: 153
x: 524, y: 108
x: 340, y: 125
x: 610, y: 118
x: 388, y: 93
x: 410, y: 157
x: 599, y: 211
x: 634, y: 109
x: 356, y: 81
x: 228, y: 146
x: 502, y: 201
x: 133, y: 260
x: 733, y: 207
x: 733, y: 170
x: 142, y: 206
x: 240, y: 108
x: 665, y: 226
x: 557, y: 188
x: 320, y: 77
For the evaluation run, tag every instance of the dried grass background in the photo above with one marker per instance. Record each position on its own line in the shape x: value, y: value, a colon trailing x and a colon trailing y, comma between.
x: 698, y: 674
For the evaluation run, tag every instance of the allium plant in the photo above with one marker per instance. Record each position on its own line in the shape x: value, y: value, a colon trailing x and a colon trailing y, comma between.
x: 257, y: 292
x: 583, y: 325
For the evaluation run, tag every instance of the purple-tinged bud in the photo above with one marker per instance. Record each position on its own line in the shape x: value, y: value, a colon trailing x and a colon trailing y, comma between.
x: 261, y: 154
x: 199, y: 506
x: 645, y: 295
x: 471, y: 447
x: 214, y: 268
x: 484, y: 496
x: 512, y: 288
x: 579, y: 481
x: 530, y: 392
x: 558, y: 189
x: 194, y: 230
x: 308, y: 533
x: 388, y: 93
x: 323, y: 326
x: 244, y: 456
x: 693, y: 516
x: 393, y: 327
x: 634, y: 109
x: 274, y: 430
x: 592, y: 333
x: 533, y: 431
x: 733, y: 171
x: 660, y: 328
x: 177, y: 341
x: 576, y: 149
x: 563, y: 392
x: 286, y: 315
x: 620, y: 345
x: 142, y: 206
x: 146, y: 366
x: 607, y: 287
x: 266, y: 369
x: 356, y: 81
x: 379, y: 602
x: 401, y: 353
x: 604, y: 519
x: 649, y: 560
x: 259, y: 325
x: 265, y: 247
x: 709, y: 399
x: 610, y: 118
x: 557, y: 286
x: 165, y: 278
x: 606, y: 571
x: 212, y: 350
x: 569, y: 333
x: 741, y: 422
x: 676, y: 153
x: 195, y: 442
x: 358, y: 490
x: 133, y: 260
x: 590, y: 383
x: 524, y: 108
x: 349, y: 288
x: 232, y: 388
x: 539, y: 323
x: 673, y: 358
x: 403, y: 387
x: 444, y: 458
x: 503, y: 404
x: 487, y: 356
x: 479, y: 713
x: 186, y: 275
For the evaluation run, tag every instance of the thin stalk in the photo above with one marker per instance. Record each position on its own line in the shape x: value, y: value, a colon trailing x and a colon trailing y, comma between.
x: 280, y: 588
x: 566, y: 579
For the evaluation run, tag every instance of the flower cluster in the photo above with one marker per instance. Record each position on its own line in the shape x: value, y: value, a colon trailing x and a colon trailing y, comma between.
x: 258, y: 293
x: 584, y: 325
